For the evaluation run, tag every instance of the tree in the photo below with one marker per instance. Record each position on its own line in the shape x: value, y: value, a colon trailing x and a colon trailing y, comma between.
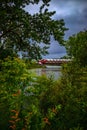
x: 76, y: 47
x: 21, y: 31
x: 74, y: 80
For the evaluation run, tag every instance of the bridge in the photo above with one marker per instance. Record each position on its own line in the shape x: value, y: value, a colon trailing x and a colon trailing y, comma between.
x: 53, y: 61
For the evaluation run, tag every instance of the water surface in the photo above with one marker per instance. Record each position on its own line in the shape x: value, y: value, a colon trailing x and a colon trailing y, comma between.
x: 49, y: 71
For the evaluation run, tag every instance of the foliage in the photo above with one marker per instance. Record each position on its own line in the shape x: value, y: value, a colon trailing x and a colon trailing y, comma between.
x: 14, y: 77
x: 36, y: 102
x: 59, y: 104
x: 27, y: 101
x: 74, y: 81
x: 21, y: 31
x: 76, y: 47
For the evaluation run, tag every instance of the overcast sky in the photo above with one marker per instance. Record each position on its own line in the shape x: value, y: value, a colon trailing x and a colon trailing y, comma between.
x: 74, y: 13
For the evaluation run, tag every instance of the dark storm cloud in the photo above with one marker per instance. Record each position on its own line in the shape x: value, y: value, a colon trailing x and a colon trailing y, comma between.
x: 74, y: 13
x: 75, y: 23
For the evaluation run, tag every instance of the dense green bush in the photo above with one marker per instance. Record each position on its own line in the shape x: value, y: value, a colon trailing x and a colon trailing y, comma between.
x: 60, y: 104
x: 37, y: 102
x: 14, y: 77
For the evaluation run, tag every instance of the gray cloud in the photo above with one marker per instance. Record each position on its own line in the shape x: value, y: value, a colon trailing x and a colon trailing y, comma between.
x: 55, y: 55
x: 74, y: 13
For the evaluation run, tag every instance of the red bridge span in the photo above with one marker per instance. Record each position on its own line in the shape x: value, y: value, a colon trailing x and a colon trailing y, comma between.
x: 53, y: 61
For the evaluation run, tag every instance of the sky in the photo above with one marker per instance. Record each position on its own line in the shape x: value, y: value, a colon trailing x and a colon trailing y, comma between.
x: 74, y: 13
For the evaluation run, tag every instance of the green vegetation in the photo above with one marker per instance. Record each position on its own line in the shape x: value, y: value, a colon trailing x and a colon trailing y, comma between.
x: 21, y: 31
x: 76, y: 47
x: 31, y: 102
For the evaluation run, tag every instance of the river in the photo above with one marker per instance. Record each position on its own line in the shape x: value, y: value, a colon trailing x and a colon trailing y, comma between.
x: 54, y: 71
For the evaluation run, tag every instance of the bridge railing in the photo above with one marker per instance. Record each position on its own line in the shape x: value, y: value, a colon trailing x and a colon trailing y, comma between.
x: 53, y: 61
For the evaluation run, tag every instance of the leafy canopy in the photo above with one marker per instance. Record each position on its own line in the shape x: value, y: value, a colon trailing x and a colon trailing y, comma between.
x: 76, y: 47
x: 21, y: 31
